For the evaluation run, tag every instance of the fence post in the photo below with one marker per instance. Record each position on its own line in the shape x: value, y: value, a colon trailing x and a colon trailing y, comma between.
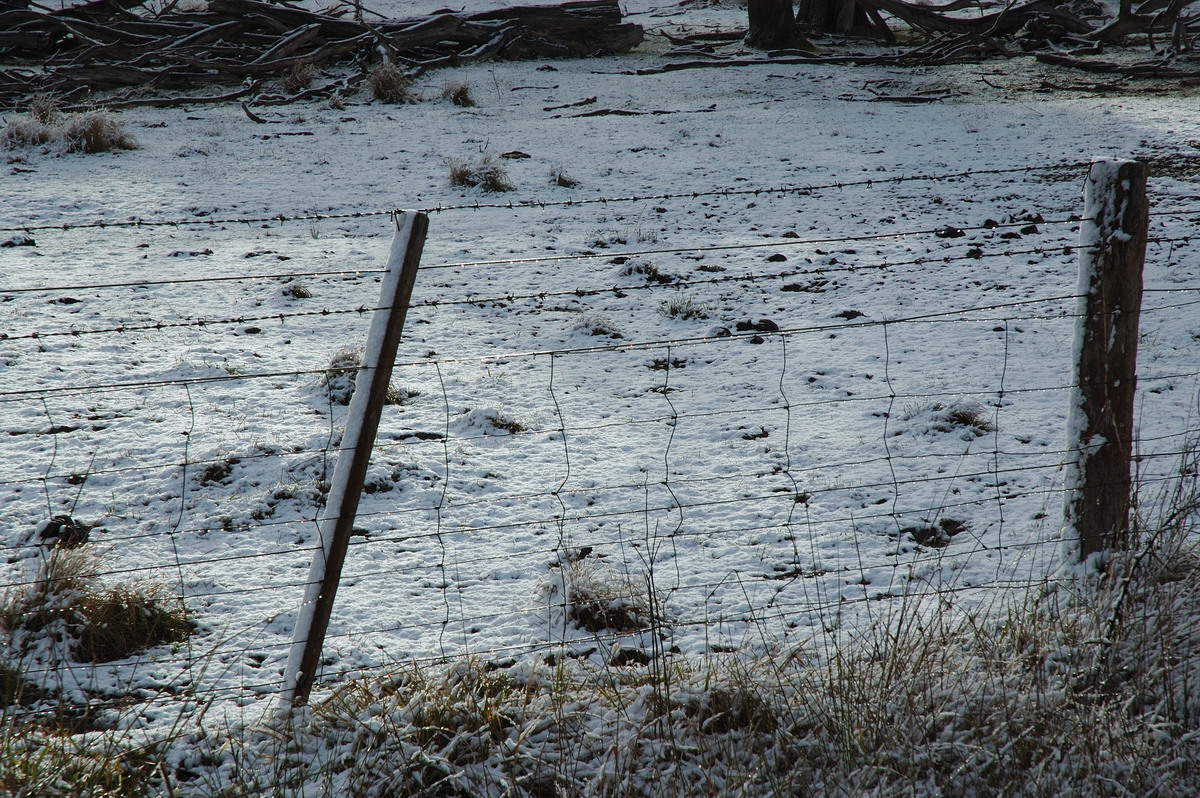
x: 362, y: 422
x: 1112, y: 251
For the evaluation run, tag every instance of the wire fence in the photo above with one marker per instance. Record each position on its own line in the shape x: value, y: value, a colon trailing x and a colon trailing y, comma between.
x: 771, y: 438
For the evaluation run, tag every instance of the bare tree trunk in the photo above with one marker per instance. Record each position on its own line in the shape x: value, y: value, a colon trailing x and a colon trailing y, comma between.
x: 772, y: 24
x: 833, y: 16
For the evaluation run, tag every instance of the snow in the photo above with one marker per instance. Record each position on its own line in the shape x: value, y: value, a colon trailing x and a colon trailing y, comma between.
x: 762, y: 483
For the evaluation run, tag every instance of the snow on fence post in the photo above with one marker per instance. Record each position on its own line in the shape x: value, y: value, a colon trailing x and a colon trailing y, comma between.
x: 1112, y: 251
x: 362, y: 422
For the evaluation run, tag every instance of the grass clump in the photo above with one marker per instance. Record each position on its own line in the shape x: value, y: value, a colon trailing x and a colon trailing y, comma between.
x: 341, y: 377
x: 115, y: 622
x: 389, y: 84
x: 599, y: 325
x: 643, y: 270
x: 683, y: 308
x: 43, y: 762
x: 968, y: 419
x: 598, y: 599
x: 341, y: 374
x: 559, y: 177
x: 485, y: 173
x: 297, y: 290
x: 505, y: 423
x: 297, y: 78
x: 459, y: 94
x: 401, y: 396
x: 49, y: 127
x: 104, y: 622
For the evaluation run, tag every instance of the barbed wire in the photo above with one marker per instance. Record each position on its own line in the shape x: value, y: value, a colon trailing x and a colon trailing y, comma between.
x: 594, y: 490
x: 283, y: 317
x: 609, y: 255
x: 801, y: 189
x: 632, y: 346
x: 1064, y: 250
x: 240, y: 277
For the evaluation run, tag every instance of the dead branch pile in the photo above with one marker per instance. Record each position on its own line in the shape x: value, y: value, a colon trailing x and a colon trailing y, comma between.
x: 122, y: 45
x: 1039, y: 23
x: 1061, y: 32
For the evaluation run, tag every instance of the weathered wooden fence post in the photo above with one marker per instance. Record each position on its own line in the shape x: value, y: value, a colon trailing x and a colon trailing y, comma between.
x: 362, y: 422
x: 1112, y: 251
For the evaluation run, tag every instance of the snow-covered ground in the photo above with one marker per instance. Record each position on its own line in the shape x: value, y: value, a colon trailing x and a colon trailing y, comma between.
x: 576, y: 376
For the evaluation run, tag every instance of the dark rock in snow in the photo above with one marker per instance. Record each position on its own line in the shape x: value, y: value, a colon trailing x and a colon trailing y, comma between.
x: 64, y: 531
x: 762, y: 325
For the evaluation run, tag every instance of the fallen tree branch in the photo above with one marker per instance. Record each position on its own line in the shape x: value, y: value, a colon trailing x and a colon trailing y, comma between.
x: 171, y: 102
x: 1145, y: 70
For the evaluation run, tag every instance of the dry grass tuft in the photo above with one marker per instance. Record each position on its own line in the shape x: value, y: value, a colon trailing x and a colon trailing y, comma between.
x: 485, y: 173
x: 46, y: 126
x: 502, y: 421
x: 389, y: 84
x: 970, y: 420
x: 681, y: 307
x: 297, y: 78
x: 26, y: 133
x: 297, y: 290
x: 600, y: 599
x: 43, y: 762
x: 341, y: 375
x: 105, y: 622
x: 44, y: 108
x: 96, y: 131
x: 559, y: 177
x: 341, y: 378
x: 459, y: 94
x: 115, y: 622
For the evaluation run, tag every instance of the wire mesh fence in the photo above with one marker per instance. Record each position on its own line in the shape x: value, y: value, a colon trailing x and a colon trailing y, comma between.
x: 602, y: 439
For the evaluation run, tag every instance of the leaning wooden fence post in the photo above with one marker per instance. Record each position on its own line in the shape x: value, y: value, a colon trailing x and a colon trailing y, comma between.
x: 362, y: 421
x: 1112, y: 251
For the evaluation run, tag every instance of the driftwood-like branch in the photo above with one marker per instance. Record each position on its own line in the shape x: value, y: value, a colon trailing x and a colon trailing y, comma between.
x: 1042, y: 27
x: 1148, y: 70
x: 112, y: 44
x: 1034, y: 16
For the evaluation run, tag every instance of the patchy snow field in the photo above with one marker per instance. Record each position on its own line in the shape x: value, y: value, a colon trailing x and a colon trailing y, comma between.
x: 822, y: 363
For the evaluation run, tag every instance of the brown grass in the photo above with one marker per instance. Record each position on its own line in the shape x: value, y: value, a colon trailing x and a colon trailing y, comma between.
x: 459, y: 94
x: 116, y: 622
x: 44, y: 108
x: 297, y: 78
x: 559, y: 177
x: 90, y: 132
x: 485, y: 173
x: 389, y: 84
x: 600, y: 599
x: 106, y: 622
